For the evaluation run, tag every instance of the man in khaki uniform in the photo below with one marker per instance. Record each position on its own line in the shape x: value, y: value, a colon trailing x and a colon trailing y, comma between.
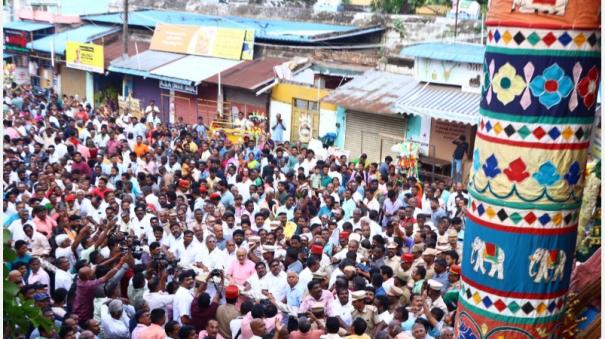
x: 428, y: 256
x: 392, y: 260
x: 368, y: 313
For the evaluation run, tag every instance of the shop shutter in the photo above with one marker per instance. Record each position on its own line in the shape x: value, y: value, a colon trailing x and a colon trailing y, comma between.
x: 73, y: 82
x: 373, y: 134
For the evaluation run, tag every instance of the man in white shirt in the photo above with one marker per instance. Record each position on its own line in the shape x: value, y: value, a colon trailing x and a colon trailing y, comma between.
x: 181, y: 306
x: 185, y: 250
x: 277, y: 280
x: 115, y: 322
x: 211, y: 257
x: 343, y: 308
x: 63, y: 279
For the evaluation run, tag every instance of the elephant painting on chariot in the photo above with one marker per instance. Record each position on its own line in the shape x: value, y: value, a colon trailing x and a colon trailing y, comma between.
x: 483, y: 252
x: 547, y: 265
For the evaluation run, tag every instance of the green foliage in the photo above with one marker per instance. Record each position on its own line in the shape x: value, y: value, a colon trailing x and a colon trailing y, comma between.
x: 106, y: 95
x: 396, y: 6
x: 597, y: 169
x: 19, y: 313
x: 399, y: 27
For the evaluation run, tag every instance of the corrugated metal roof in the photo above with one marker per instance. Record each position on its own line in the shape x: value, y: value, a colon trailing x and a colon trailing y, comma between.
x: 264, y: 29
x: 194, y: 68
x: 27, y: 26
x: 372, y: 92
x: 249, y: 74
x: 146, y: 61
x: 440, y: 102
x: 458, y: 52
x: 115, y: 49
x: 84, y: 33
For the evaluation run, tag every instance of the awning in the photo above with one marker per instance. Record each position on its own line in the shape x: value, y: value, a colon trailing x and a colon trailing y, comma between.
x: 84, y: 33
x: 193, y: 69
x: 7, y: 55
x: 141, y: 64
x: 26, y: 26
x: 441, y: 102
x: 249, y: 75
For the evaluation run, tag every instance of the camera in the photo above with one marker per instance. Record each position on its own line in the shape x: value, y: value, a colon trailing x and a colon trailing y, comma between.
x: 134, y: 248
x: 160, y: 261
x: 216, y: 272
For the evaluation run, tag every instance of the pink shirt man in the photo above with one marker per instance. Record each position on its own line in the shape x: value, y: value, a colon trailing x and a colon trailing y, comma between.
x: 241, y: 269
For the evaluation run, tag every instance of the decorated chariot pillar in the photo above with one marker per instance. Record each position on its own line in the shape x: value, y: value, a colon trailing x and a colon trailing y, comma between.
x: 541, y: 77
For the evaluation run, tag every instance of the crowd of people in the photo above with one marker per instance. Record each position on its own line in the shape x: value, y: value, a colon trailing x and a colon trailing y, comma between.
x: 128, y: 227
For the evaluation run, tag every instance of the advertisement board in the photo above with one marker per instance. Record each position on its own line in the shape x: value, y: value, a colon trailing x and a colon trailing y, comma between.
x: 84, y: 56
x: 226, y: 43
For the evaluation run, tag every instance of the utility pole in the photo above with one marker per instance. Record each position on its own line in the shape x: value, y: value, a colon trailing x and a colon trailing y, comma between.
x: 456, y: 22
x: 125, y: 30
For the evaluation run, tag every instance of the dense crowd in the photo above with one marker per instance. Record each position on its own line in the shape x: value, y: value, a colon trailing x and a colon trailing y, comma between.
x: 126, y: 227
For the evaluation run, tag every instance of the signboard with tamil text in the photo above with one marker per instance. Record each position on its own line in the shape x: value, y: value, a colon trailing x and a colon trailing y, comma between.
x: 84, y: 56
x: 173, y: 86
x: 226, y: 43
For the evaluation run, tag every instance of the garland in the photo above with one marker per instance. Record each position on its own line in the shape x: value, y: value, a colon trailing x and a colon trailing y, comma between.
x: 589, y: 212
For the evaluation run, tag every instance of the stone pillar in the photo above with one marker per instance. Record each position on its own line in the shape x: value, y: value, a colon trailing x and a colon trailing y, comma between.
x: 541, y: 75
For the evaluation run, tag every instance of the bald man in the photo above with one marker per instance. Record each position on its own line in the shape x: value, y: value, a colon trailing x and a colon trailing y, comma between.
x: 86, y: 286
x: 258, y: 328
x: 241, y: 269
x: 16, y: 277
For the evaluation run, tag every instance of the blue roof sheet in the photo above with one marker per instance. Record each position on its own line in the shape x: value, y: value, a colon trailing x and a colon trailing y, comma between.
x: 264, y: 29
x: 27, y: 26
x: 84, y: 33
x: 458, y: 52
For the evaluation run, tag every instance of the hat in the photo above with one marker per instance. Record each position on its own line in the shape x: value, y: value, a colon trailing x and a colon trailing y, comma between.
x: 417, y: 248
x: 403, y: 276
x: 315, y: 220
x: 455, y: 269
x: 344, y: 235
x: 349, y: 268
x: 316, y: 249
x: 452, y: 233
x: 275, y: 224
x: 203, y: 189
x: 183, y: 183
x: 358, y: 295
x: 41, y: 296
x: 70, y: 198
x: 443, y: 247
x: 407, y: 257
x: 268, y: 248
x: 231, y: 292
x: 317, y: 307
x: 59, y: 239
x: 430, y: 251
x: 395, y: 291
x: 321, y: 275
x: 215, y: 196
x: 392, y: 245
x: 435, y: 285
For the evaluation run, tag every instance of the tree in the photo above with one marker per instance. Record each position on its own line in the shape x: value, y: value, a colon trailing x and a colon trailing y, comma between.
x: 396, y: 6
x: 18, y: 312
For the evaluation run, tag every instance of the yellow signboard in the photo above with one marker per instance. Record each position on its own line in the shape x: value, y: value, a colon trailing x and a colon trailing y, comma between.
x: 226, y: 43
x: 87, y: 57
